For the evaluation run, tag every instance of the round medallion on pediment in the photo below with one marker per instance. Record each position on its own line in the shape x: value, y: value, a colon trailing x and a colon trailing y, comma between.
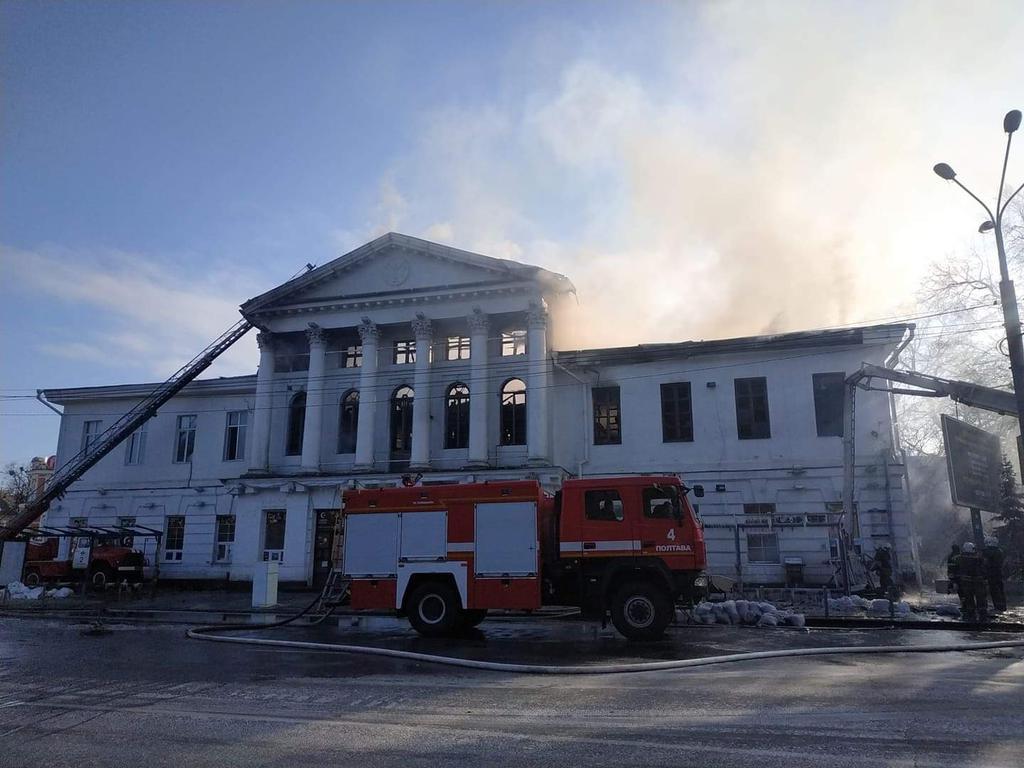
x: 396, y: 271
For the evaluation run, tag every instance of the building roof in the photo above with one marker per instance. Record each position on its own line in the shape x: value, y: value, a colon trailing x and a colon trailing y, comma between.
x: 890, y: 333
x: 504, y: 267
x: 224, y: 385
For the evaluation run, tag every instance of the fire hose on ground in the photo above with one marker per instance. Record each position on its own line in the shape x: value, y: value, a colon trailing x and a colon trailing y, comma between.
x: 210, y: 633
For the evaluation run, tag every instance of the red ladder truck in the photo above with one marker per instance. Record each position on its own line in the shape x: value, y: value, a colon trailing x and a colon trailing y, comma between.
x: 444, y: 555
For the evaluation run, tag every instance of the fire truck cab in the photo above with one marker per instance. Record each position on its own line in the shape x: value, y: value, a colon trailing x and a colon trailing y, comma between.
x: 444, y: 555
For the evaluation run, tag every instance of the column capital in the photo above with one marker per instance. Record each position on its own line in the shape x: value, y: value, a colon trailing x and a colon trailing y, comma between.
x: 422, y: 327
x: 265, y: 340
x: 478, y: 321
x: 537, y: 316
x: 315, y: 335
x: 369, y: 332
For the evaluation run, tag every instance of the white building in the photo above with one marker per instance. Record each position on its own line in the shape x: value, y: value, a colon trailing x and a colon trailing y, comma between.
x: 408, y: 356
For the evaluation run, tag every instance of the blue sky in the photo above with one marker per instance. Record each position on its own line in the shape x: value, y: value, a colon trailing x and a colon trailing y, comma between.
x: 162, y: 162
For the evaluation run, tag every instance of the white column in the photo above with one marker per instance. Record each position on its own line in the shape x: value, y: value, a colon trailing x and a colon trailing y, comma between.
x: 259, y: 456
x: 479, y: 388
x: 420, y: 454
x: 312, y: 429
x: 537, y: 386
x: 370, y: 335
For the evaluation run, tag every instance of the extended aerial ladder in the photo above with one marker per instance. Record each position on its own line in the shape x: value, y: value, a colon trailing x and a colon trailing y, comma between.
x: 108, y: 440
x: 999, y: 401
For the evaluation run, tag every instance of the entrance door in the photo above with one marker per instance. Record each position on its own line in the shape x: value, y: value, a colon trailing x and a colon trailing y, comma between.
x: 323, y: 545
x: 401, y: 428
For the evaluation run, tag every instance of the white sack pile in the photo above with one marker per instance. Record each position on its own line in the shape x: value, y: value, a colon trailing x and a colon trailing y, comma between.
x: 747, y: 612
x: 855, y: 604
x: 18, y: 591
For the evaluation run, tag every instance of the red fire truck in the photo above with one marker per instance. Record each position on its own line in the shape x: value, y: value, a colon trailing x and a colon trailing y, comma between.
x: 444, y: 555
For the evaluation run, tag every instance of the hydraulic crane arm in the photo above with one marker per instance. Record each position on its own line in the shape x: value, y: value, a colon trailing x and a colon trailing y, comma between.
x: 999, y: 401
x: 987, y: 398
x: 107, y: 441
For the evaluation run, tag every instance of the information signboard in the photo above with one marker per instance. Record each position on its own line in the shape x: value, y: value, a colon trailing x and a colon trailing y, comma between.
x: 973, y: 458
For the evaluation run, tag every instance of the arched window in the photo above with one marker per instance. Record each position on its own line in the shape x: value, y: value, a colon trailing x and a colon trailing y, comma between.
x: 456, y: 416
x: 513, y: 412
x: 348, y: 421
x: 296, y: 424
x: 401, y: 421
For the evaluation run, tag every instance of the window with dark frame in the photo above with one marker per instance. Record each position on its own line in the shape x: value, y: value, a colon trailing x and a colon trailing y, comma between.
x: 235, y: 434
x: 348, y: 421
x: 225, y: 538
x: 513, y: 412
x: 405, y: 352
x: 829, y: 391
x: 273, y: 535
x: 403, y: 401
x: 659, y: 504
x: 296, y: 424
x: 513, y: 342
x: 752, y: 420
x: 91, y: 433
x: 456, y: 417
x: 185, y: 439
x: 607, y: 416
x: 457, y: 348
x: 135, y: 447
x: 676, y: 412
x: 603, y: 505
x: 762, y: 547
x: 174, y: 538
x: 759, y: 508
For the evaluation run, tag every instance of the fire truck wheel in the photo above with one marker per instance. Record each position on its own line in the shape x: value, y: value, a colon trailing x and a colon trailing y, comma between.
x: 100, y: 576
x: 32, y: 579
x: 641, y: 610
x: 434, y: 609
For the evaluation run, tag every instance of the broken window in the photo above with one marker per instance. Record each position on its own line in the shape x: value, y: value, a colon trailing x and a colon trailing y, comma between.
x: 513, y: 412
x: 607, y: 416
x: 405, y: 352
x: 513, y: 343
x: 457, y: 348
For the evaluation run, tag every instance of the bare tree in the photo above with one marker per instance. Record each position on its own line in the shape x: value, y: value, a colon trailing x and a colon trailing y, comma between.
x: 15, y: 489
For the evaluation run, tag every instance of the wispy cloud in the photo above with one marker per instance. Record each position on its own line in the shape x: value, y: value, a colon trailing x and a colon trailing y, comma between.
x: 144, y: 315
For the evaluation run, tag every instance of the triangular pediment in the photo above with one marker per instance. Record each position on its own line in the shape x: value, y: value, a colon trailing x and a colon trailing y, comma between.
x: 399, y: 265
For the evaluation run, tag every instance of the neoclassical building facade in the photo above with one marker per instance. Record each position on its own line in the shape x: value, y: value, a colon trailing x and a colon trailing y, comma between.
x: 406, y: 357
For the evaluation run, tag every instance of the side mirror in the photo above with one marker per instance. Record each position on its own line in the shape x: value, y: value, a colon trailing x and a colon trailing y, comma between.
x: 698, y: 491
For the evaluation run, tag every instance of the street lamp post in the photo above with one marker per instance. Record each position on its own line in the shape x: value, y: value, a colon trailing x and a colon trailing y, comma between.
x: 1007, y: 294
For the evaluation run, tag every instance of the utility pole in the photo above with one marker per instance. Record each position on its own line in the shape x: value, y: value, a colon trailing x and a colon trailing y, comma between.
x: 1007, y: 294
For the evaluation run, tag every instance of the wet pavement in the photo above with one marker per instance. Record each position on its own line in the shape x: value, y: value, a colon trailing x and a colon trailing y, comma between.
x: 146, y: 695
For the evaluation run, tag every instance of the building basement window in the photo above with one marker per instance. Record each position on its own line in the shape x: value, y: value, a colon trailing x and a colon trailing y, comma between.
x: 762, y: 547
x: 174, y: 538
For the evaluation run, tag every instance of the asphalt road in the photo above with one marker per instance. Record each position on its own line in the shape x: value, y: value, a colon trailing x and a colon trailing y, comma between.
x: 145, y: 696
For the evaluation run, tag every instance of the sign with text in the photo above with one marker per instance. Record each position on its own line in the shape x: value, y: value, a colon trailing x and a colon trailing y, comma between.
x: 973, y: 458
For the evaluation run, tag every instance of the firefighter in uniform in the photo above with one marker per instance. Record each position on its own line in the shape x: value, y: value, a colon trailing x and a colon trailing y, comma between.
x: 882, y: 565
x: 953, y: 571
x: 992, y: 562
x: 973, y: 595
